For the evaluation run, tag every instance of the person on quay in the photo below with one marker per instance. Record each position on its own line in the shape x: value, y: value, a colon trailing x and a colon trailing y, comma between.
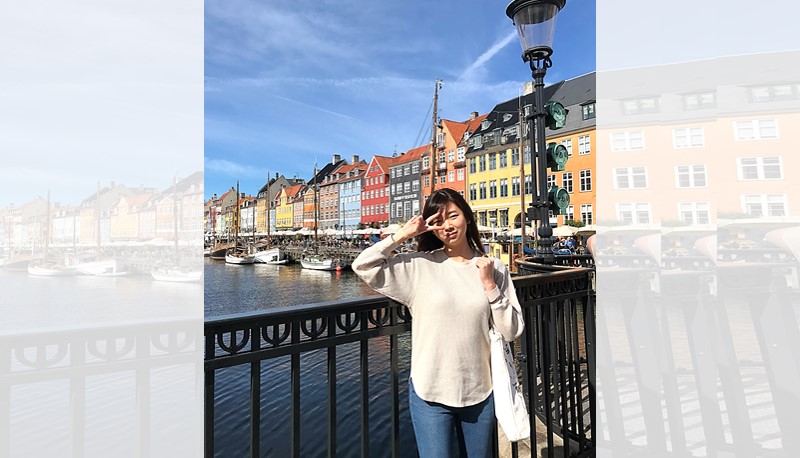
x: 452, y: 291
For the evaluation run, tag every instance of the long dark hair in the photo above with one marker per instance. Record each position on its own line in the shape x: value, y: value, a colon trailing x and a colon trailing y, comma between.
x: 427, y: 241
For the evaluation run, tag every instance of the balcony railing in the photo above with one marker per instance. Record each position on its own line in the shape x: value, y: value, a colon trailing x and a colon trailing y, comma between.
x: 555, y: 359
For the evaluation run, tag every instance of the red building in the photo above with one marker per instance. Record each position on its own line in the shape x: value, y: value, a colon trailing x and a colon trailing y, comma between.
x: 375, y: 193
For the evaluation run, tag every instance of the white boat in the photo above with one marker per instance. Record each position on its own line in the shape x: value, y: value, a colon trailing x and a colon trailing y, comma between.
x: 319, y: 262
x: 101, y: 268
x: 41, y: 269
x: 177, y: 275
x: 238, y: 257
x: 270, y: 256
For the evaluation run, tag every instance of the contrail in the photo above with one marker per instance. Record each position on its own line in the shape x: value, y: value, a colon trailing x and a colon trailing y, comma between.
x: 488, y: 54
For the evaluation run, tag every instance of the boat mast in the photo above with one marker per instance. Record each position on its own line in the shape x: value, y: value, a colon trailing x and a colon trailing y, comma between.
x: 175, y: 210
x: 47, y: 227
x: 269, y: 204
x: 433, y: 163
x: 238, y: 216
x: 316, y: 205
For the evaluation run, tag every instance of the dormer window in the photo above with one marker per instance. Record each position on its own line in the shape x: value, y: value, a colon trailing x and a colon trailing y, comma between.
x: 485, y: 124
x: 507, y: 117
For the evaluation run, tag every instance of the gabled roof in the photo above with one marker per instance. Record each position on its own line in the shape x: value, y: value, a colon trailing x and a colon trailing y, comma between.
x: 383, y: 162
x: 455, y: 128
x: 137, y: 200
x: 292, y: 191
x: 410, y: 155
x: 325, y: 171
x: 472, y: 125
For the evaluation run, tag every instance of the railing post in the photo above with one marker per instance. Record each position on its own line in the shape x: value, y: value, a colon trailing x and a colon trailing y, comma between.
x: 209, y: 396
x: 255, y: 395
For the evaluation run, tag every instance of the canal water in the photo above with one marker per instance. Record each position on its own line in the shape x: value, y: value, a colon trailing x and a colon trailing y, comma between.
x: 235, y: 289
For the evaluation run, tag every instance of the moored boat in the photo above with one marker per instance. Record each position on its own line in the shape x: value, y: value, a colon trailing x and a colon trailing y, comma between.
x: 319, y: 262
x: 46, y: 269
x: 234, y: 256
x: 270, y: 256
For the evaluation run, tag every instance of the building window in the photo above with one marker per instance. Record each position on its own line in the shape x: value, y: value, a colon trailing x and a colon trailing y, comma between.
x: 690, y: 176
x: 503, y: 159
x: 460, y: 175
x: 503, y: 218
x: 415, y: 186
x: 630, y: 178
x: 472, y: 164
x: 415, y: 167
x: 764, y: 204
x: 566, y: 181
x: 641, y: 105
x: 476, y: 141
x: 586, y: 180
x: 570, y: 214
x: 473, y: 192
x: 757, y: 129
x: 551, y: 181
x: 586, y: 214
x: 688, y: 137
x: 482, y: 187
x: 634, y: 213
x: 399, y: 172
x: 627, y: 141
x: 393, y: 173
x: 568, y: 145
x: 584, y: 145
x: 699, y: 101
x: 461, y: 154
x: 526, y: 154
x: 425, y: 161
x: 451, y: 176
x: 514, y: 157
x: 493, y: 189
x: 760, y: 168
x: 482, y: 163
x: 694, y: 212
x: 451, y: 155
x: 588, y: 111
x: 492, y: 161
x: 442, y: 179
x: 427, y: 180
x: 775, y: 92
x: 528, y: 184
x: 514, y: 186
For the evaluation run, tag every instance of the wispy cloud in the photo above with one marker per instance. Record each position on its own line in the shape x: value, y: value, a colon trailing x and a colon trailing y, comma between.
x: 233, y: 169
x: 470, y: 72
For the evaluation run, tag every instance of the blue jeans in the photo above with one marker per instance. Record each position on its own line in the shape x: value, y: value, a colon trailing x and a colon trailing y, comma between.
x: 441, y: 430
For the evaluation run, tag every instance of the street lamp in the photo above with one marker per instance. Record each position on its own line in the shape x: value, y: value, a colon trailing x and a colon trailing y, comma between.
x: 535, y: 21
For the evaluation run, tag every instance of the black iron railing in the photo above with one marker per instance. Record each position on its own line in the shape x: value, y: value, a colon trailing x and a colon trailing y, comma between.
x: 556, y: 361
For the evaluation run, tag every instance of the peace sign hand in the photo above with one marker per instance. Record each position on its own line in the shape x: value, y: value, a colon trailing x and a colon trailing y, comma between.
x: 417, y: 225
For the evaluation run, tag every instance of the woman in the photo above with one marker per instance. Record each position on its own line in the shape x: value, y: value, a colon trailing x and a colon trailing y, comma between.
x: 452, y: 292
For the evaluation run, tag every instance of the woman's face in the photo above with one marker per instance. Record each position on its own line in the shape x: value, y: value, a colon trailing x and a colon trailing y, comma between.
x: 455, y: 227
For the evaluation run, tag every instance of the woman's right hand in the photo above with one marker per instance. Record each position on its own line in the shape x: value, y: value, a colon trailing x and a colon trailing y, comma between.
x: 417, y: 225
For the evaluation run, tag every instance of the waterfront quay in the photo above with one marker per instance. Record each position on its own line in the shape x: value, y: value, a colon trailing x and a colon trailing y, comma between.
x: 330, y: 378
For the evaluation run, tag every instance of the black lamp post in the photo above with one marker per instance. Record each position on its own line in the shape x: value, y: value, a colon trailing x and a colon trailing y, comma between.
x: 535, y: 21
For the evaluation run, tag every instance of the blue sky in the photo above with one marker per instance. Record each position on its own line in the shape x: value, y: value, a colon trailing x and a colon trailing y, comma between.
x: 291, y: 82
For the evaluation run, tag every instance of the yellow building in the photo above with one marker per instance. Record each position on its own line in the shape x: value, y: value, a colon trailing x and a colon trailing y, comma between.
x: 494, y: 184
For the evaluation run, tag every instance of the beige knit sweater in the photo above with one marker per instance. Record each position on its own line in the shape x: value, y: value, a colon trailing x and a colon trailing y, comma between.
x: 449, y: 333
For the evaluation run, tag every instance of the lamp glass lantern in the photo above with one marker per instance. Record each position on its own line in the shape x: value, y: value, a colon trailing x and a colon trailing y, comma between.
x: 536, y: 23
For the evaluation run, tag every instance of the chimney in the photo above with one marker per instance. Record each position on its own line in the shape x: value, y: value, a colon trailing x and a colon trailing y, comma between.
x: 355, y: 159
x: 473, y: 115
x: 276, y: 175
x: 527, y: 88
x: 336, y: 158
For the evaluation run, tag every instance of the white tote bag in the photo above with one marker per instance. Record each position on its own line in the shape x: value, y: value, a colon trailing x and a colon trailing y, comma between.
x: 509, y: 402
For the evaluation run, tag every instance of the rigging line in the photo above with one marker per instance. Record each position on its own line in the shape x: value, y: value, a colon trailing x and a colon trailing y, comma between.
x: 425, y: 123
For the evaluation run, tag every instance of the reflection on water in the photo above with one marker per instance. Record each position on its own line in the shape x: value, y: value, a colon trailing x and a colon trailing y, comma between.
x: 246, y: 288
x: 234, y: 289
